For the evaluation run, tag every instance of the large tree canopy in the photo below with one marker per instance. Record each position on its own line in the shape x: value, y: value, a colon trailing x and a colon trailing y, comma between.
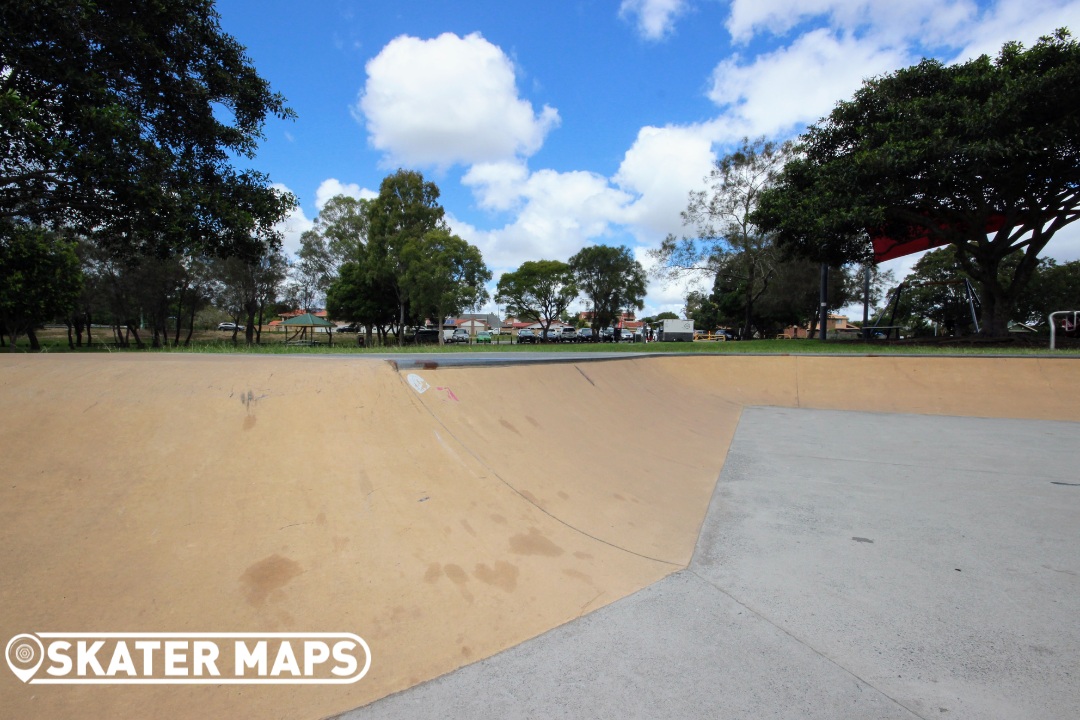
x: 40, y: 280
x: 125, y: 118
x: 611, y: 279
x: 406, y: 209
x: 727, y: 245
x: 539, y: 291
x: 983, y: 156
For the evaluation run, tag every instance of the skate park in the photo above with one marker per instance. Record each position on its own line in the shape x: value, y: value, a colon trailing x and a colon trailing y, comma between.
x: 737, y: 536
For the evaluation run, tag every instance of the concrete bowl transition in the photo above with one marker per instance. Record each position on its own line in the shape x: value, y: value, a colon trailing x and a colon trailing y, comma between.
x: 447, y: 514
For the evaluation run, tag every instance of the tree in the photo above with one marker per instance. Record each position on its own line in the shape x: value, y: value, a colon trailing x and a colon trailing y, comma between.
x: 983, y: 156
x: 726, y: 240
x: 794, y: 296
x: 312, y: 272
x: 41, y: 280
x: 125, y: 119
x: 611, y: 279
x: 702, y: 310
x: 1053, y: 287
x: 406, y: 209
x: 343, y: 222
x: 359, y: 295
x: 539, y: 290
x: 444, y: 275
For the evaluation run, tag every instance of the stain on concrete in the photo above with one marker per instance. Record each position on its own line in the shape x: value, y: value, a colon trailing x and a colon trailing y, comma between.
x: 534, y: 543
x: 456, y: 574
x: 434, y: 572
x: 266, y: 576
x: 503, y: 576
x: 578, y: 575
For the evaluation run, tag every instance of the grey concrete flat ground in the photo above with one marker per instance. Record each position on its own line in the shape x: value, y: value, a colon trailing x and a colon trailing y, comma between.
x: 851, y: 565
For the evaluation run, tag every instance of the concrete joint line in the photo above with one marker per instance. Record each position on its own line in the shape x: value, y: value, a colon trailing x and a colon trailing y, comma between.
x: 805, y: 644
x: 556, y: 518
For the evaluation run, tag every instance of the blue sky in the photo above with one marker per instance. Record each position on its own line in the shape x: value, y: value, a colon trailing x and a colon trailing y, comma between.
x: 550, y: 126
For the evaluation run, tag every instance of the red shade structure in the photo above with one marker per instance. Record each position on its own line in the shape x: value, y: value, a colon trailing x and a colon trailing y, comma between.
x: 917, y: 240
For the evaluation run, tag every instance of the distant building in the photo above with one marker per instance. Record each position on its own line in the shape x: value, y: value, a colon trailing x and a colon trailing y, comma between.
x: 835, y: 323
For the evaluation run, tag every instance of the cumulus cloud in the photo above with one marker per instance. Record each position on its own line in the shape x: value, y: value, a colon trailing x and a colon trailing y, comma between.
x: 332, y: 187
x: 661, y: 168
x: 295, y: 224
x: 930, y: 20
x: 497, y: 186
x: 557, y: 214
x: 655, y: 18
x: 449, y: 100
x: 1022, y: 20
x: 776, y: 92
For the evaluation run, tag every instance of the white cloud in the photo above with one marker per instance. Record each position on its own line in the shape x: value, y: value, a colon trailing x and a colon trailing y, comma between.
x: 497, y: 186
x: 449, y: 100
x: 332, y: 187
x: 929, y: 20
x: 293, y: 226
x: 559, y: 213
x: 1022, y: 20
x: 655, y: 18
x: 800, y: 83
x: 662, y: 167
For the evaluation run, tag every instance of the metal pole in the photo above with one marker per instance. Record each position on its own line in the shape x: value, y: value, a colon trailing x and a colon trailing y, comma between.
x: 866, y: 303
x: 824, y: 295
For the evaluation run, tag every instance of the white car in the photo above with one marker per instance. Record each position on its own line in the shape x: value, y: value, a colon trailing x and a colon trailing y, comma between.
x: 229, y: 327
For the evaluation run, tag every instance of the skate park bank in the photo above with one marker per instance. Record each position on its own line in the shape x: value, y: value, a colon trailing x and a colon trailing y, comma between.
x: 444, y: 514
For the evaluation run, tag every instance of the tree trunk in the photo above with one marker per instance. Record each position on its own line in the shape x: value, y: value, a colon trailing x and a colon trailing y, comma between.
x: 191, y: 326
x: 32, y: 337
x: 179, y: 315
x: 135, y: 331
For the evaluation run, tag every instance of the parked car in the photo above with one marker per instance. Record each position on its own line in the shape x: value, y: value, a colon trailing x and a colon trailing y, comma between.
x: 230, y: 327
x: 483, y: 338
x: 526, y: 337
x: 568, y: 334
x: 350, y: 328
x: 728, y: 334
x: 586, y: 335
x: 607, y: 334
x: 552, y: 335
x: 423, y: 336
x: 461, y: 335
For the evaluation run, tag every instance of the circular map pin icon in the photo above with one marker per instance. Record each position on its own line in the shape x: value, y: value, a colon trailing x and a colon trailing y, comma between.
x: 24, y: 654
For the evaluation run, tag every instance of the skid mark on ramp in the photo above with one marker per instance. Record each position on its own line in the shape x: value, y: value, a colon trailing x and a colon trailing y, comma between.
x: 527, y: 497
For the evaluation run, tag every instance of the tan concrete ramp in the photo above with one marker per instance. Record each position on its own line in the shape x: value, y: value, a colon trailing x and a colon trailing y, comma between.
x: 442, y: 517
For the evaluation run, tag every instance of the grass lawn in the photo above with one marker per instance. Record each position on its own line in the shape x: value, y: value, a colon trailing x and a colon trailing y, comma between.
x: 55, y: 340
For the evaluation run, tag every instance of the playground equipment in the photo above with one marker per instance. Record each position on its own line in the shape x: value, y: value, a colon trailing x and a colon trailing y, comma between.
x: 973, y: 303
x: 1069, y: 327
